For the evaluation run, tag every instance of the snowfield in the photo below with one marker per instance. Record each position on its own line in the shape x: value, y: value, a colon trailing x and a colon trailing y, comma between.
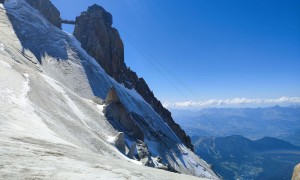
x: 50, y: 125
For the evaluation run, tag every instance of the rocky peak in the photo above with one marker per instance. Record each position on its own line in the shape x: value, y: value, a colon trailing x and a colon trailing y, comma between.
x: 46, y: 8
x: 96, y: 11
x: 101, y: 41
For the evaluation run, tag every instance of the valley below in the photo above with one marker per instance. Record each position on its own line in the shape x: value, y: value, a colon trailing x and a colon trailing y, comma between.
x: 246, y: 143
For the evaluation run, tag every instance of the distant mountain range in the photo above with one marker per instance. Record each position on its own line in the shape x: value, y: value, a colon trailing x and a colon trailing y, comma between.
x: 236, y: 157
x: 253, y: 123
x: 234, y: 142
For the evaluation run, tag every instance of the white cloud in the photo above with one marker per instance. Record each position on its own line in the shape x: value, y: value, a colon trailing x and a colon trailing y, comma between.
x: 236, y: 102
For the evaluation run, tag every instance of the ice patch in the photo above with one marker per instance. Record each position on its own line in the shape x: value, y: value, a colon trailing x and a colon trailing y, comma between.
x: 156, y: 163
x: 59, y: 87
x: 111, y: 139
x: 134, y: 161
x: 13, y: 95
x: 2, y: 47
x: 26, y: 75
x: 100, y: 107
x: 23, y: 96
x: 4, y: 64
x: 17, y: 112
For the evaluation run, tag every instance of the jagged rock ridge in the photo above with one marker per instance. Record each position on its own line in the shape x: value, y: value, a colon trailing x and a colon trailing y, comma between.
x: 94, y: 31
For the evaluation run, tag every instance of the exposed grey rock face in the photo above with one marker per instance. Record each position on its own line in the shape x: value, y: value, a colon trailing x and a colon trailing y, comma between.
x: 46, y: 8
x: 101, y: 41
x: 112, y: 96
x: 144, y: 155
x: 116, y: 112
x: 93, y: 29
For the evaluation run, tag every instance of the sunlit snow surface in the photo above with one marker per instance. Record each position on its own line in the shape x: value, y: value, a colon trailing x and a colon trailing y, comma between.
x: 49, y: 126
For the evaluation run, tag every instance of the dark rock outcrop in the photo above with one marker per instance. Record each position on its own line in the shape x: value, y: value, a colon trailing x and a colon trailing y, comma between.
x: 112, y: 96
x: 49, y: 11
x: 144, y: 155
x: 93, y: 29
x: 101, y: 41
x: 115, y: 111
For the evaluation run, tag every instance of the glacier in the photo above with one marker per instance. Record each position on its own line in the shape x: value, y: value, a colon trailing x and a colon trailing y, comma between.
x: 51, y: 123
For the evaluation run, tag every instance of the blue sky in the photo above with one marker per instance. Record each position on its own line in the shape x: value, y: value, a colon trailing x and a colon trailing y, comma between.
x: 196, y: 50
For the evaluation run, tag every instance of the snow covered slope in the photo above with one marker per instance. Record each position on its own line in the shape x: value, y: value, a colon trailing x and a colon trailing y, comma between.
x: 52, y: 125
